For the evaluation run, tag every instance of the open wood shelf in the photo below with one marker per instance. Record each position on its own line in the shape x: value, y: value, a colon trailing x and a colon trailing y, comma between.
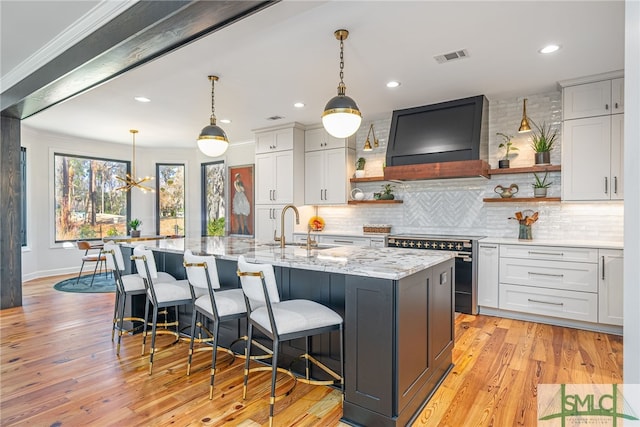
x: 373, y: 202
x: 368, y: 179
x: 521, y: 199
x: 549, y: 168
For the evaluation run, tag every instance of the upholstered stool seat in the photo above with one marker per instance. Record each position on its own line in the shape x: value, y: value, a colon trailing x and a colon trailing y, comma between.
x: 214, y: 304
x: 162, y: 295
x: 126, y: 286
x: 283, y: 321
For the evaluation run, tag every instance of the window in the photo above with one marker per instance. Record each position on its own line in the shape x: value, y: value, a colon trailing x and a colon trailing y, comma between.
x: 170, y: 200
x: 213, y: 202
x: 87, y: 204
x: 23, y: 196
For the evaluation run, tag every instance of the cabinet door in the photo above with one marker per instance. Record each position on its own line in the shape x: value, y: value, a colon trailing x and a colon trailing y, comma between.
x: 276, y: 140
x: 265, y: 223
x: 610, y: 293
x: 335, y: 176
x: 268, y: 221
x: 617, y: 157
x: 265, y: 183
x: 488, y: 262
x: 314, y: 169
x: 587, y: 100
x: 283, y: 173
x: 617, y: 95
x: 319, y: 139
x: 586, y: 151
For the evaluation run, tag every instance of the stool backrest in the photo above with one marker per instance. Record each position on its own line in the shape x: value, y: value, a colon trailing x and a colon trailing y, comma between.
x: 83, y: 245
x: 140, y: 250
x: 198, y: 275
x: 252, y: 285
x: 116, y: 258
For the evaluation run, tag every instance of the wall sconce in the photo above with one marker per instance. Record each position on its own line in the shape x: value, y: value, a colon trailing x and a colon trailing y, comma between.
x: 524, y: 123
x: 367, y: 144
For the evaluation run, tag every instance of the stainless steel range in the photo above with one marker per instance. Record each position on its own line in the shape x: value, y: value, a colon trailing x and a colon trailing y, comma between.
x: 466, y: 270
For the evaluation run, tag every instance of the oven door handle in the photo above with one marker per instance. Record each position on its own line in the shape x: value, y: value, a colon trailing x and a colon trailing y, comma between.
x: 464, y: 258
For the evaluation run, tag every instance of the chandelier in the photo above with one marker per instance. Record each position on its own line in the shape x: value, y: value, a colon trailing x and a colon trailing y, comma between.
x: 129, y: 180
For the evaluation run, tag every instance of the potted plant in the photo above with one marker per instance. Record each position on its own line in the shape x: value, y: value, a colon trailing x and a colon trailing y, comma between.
x: 542, y: 142
x: 387, y: 192
x: 360, y: 167
x: 508, y: 146
x: 540, y: 186
x: 133, y: 227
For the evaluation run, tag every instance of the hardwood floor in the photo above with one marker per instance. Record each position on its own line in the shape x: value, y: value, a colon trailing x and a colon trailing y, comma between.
x: 59, y: 367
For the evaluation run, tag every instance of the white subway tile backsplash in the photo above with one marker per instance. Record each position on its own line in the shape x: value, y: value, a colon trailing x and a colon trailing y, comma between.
x: 455, y: 206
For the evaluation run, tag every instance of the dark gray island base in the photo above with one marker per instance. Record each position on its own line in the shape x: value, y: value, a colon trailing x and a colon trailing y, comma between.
x: 399, y: 332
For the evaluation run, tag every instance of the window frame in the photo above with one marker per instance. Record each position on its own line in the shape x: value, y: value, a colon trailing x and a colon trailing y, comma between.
x: 84, y: 157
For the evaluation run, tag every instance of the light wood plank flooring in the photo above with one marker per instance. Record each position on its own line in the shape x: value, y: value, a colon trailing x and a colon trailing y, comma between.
x: 59, y: 368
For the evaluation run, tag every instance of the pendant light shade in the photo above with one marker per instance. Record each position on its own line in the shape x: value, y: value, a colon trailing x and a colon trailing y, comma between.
x: 341, y: 116
x: 213, y: 141
x: 524, y: 123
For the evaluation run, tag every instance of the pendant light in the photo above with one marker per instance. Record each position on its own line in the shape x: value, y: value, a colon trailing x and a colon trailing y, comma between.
x: 524, y: 123
x: 341, y: 116
x: 213, y: 141
x: 129, y: 180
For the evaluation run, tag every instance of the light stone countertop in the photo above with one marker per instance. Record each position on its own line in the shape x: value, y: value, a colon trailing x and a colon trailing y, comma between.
x: 545, y: 242
x: 384, y: 263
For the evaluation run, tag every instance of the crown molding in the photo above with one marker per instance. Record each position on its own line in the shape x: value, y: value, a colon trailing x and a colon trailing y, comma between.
x: 102, y: 13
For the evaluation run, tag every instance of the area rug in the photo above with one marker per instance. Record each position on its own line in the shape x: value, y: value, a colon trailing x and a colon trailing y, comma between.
x: 101, y: 284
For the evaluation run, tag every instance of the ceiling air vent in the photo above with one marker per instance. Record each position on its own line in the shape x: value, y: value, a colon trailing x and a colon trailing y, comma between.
x: 272, y: 118
x: 452, y: 56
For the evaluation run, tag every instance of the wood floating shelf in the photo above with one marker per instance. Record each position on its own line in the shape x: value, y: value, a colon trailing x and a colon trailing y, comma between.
x: 368, y: 179
x: 549, y: 168
x: 521, y: 199
x: 373, y: 202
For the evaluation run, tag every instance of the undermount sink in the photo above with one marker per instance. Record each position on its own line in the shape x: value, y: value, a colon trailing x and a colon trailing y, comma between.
x: 300, y: 245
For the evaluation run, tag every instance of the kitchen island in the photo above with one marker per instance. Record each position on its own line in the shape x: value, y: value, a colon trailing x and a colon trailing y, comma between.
x: 397, y: 306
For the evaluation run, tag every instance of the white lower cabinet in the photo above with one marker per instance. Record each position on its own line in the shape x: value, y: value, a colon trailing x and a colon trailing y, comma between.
x: 610, y: 287
x: 550, y: 302
x: 561, y: 282
x: 488, y: 279
x: 268, y: 220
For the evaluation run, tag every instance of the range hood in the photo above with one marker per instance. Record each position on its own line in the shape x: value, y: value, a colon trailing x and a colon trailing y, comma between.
x: 444, y: 140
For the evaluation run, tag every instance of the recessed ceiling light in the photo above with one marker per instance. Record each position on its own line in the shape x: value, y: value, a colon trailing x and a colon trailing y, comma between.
x: 549, y: 48
x: 393, y: 83
x: 142, y: 99
x: 225, y: 121
x: 299, y: 104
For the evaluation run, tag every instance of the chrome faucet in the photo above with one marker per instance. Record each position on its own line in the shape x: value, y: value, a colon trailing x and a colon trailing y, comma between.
x: 281, y: 238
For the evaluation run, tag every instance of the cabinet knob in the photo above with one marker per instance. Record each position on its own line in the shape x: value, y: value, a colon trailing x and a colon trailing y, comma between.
x: 606, y: 106
x: 616, y: 105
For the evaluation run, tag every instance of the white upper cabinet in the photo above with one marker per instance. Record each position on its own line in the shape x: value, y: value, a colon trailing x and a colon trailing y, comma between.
x: 329, y: 162
x: 279, y: 178
x: 593, y: 99
x: 275, y: 140
x: 592, y: 141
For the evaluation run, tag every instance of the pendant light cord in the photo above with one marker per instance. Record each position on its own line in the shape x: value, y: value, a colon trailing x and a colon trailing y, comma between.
x: 341, y: 85
x: 213, y: 100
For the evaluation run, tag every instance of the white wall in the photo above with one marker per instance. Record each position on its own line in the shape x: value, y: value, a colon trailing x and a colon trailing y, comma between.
x: 632, y: 195
x: 42, y: 257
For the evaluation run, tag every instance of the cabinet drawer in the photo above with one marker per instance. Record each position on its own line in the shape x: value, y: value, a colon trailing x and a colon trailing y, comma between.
x: 344, y: 240
x: 572, y: 276
x: 556, y: 253
x: 549, y: 302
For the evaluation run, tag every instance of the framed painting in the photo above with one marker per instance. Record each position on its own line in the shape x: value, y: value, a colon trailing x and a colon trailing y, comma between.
x: 214, y: 206
x: 241, y: 196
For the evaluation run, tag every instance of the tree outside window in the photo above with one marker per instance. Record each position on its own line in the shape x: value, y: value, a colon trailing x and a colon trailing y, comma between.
x: 213, y: 199
x: 170, y: 201
x: 87, y: 205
